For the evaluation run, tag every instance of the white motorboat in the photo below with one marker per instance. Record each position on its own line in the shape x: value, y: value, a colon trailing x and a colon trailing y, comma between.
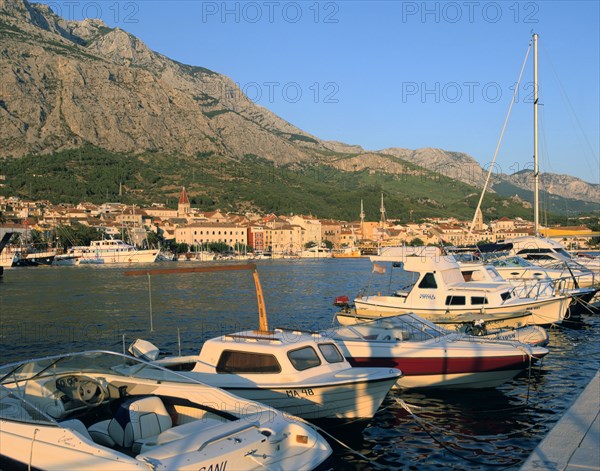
x: 438, y: 292
x: 532, y: 281
x: 293, y: 371
x: 529, y: 334
x: 296, y: 372
x: 317, y: 251
x: 112, y: 251
x: 432, y: 357
x: 543, y: 251
x: 98, y: 410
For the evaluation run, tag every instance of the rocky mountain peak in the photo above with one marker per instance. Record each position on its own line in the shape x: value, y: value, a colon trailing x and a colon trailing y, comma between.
x: 121, y: 47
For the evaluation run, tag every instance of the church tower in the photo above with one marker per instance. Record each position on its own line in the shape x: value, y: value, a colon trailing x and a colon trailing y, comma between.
x: 478, y: 226
x: 183, y: 207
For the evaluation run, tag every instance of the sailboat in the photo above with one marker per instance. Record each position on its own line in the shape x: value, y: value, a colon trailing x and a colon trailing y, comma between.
x: 542, y: 250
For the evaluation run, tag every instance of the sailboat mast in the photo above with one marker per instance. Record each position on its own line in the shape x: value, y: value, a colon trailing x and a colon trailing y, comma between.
x: 362, y: 221
x: 536, y: 172
x: 382, y: 211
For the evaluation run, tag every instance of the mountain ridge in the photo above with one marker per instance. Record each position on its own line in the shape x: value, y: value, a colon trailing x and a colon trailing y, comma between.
x: 67, y: 84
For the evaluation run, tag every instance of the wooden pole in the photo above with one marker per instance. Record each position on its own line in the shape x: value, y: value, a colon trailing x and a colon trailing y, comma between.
x: 262, y: 310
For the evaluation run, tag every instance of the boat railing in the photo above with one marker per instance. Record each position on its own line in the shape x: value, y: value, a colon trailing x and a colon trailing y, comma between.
x: 544, y: 288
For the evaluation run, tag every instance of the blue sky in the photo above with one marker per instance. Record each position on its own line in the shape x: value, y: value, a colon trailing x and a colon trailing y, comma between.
x: 395, y: 73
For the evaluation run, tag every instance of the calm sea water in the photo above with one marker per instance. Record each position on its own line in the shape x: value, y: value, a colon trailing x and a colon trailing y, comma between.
x: 46, y: 310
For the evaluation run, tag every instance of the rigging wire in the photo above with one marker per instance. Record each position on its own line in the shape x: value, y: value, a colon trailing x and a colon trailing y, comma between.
x: 565, y: 97
x: 512, y: 102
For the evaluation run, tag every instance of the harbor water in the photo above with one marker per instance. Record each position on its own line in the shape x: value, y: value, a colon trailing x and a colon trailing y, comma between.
x: 48, y: 310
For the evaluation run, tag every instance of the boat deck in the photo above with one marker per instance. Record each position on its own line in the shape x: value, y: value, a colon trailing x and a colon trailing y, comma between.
x: 573, y: 443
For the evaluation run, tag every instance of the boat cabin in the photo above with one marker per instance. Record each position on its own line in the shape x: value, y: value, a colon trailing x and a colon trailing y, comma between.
x: 279, y: 352
x: 440, y: 283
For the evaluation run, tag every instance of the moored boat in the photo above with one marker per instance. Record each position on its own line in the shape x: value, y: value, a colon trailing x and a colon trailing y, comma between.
x: 97, y: 410
x: 112, y: 251
x: 440, y: 293
x: 431, y: 357
x: 294, y: 371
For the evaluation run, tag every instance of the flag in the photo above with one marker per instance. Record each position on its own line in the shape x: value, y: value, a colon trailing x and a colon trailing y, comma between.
x: 378, y: 268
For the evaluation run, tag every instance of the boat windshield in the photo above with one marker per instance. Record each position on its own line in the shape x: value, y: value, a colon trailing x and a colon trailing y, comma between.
x: 510, y: 262
x: 97, y: 362
x: 14, y: 407
x: 404, y: 327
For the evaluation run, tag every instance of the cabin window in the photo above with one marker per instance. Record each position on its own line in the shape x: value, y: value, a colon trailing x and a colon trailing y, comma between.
x: 331, y: 353
x: 428, y: 282
x: 505, y: 296
x: 304, y: 358
x: 478, y: 300
x: 538, y: 257
x: 455, y: 301
x: 530, y: 251
x: 233, y: 361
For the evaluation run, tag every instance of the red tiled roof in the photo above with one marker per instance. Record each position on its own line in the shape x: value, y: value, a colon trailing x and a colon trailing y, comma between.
x: 183, y: 199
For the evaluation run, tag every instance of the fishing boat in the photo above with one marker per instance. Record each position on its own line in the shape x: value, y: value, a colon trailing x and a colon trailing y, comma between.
x: 432, y: 357
x: 98, y: 410
x: 438, y: 292
x: 294, y: 371
x: 112, y: 251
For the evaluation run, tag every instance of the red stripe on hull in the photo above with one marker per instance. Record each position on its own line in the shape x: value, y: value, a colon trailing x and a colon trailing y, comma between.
x: 436, y: 366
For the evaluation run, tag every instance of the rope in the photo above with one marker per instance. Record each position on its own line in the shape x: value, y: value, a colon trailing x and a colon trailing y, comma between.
x: 448, y: 449
x: 480, y: 437
x: 512, y: 102
x: 357, y: 453
x: 588, y: 306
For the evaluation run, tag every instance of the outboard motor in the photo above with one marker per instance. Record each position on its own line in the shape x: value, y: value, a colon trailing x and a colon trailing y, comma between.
x: 144, y: 350
x: 343, y: 302
x: 476, y: 328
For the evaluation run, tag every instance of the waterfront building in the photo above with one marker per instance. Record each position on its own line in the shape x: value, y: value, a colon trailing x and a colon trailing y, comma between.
x: 211, y: 232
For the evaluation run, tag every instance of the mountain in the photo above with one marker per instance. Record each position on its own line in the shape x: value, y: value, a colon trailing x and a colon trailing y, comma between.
x: 66, y: 83
x: 81, y: 85
x: 556, y: 184
x: 463, y: 167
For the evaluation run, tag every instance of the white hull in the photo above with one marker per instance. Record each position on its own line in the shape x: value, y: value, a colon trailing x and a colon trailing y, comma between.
x: 353, y: 400
x: 8, y: 259
x: 543, y: 312
x: 138, y: 256
x: 459, y: 380
x: 66, y: 261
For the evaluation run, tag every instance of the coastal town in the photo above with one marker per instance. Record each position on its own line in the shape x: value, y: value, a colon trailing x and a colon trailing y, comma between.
x: 185, y: 229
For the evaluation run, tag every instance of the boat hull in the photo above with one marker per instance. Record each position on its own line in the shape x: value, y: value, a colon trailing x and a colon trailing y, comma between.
x: 541, y: 312
x: 139, y: 256
x: 350, y: 399
x: 462, y: 364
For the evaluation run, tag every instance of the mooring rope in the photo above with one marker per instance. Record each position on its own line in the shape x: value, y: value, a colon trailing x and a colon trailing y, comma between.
x: 353, y: 451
